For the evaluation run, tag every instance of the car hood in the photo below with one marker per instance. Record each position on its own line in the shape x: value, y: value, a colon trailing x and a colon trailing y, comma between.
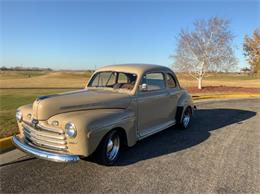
x: 46, y: 106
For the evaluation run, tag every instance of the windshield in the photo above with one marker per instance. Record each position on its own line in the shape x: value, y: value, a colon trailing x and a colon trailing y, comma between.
x: 113, y: 80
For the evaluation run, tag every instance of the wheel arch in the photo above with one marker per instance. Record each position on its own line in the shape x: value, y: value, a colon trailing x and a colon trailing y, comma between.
x: 184, y: 101
x: 122, y: 134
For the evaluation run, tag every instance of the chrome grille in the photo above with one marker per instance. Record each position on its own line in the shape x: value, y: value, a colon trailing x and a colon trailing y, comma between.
x: 44, y: 137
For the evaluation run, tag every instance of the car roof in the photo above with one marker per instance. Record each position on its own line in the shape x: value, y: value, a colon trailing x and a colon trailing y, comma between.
x: 134, y: 68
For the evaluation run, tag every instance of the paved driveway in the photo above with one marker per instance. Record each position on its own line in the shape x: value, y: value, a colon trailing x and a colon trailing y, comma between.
x: 220, y: 153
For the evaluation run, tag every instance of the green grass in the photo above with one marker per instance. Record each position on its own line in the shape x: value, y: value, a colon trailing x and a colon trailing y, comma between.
x: 11, y: 99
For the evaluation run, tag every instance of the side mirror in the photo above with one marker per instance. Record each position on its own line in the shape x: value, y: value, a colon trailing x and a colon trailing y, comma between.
x: 144, y: 87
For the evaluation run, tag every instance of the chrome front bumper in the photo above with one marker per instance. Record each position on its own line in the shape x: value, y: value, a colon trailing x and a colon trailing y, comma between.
x: 43, y: 154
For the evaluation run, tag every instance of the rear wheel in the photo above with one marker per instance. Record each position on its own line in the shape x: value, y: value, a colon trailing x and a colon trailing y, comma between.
x: 186, y: 118
x: 108, y: 152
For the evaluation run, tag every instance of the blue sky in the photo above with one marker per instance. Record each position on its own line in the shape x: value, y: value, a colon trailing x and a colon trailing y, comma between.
x: 84, y: 34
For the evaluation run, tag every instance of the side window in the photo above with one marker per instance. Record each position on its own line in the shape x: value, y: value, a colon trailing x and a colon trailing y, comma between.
x: 103, y: 79
x: 122, y: 78
x: 111, y: 79
x: 170, y: 81
x: 154, y: 81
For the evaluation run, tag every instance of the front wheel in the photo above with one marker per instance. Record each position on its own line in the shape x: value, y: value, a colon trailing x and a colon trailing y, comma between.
x: 186, y: 119
x: 108, y: 152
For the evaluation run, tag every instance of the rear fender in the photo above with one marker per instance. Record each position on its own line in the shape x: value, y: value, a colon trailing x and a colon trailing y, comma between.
x: 184, y: 101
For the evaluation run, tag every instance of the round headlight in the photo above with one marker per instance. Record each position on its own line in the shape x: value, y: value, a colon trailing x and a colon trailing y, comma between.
x: 19, y: 115
x: 70, y: 130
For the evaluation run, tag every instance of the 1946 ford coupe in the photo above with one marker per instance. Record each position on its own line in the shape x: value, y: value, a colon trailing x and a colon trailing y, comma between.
x: 120, y: 105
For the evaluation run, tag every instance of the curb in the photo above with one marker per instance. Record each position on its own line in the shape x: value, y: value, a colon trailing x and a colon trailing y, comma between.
x: 6, y: 144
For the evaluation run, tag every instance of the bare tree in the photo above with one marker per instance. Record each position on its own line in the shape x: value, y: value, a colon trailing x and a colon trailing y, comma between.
x: 252, y: 50
x: 207, y: 48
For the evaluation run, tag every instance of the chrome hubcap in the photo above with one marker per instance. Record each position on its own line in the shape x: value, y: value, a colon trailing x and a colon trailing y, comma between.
x: 186, y: 119
x: 110, y: 145
x: 113, y: 145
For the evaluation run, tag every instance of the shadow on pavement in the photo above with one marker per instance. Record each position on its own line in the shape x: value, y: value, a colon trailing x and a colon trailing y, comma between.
x: 173, y: 139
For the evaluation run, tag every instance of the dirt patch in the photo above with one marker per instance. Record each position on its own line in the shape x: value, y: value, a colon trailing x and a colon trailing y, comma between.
x: 223, y: 89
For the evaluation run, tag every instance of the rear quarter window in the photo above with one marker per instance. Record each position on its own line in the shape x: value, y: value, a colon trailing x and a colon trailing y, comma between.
x: 154, y: 81
x: 171, y: 82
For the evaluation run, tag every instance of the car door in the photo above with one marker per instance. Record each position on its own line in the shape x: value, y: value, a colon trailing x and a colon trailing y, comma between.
x: 153, y: 111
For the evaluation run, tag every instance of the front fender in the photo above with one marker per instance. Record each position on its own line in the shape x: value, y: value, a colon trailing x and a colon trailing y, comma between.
x: 93, y: 125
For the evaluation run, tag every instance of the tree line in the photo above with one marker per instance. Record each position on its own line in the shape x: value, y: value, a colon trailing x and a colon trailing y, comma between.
x: 20, y: 68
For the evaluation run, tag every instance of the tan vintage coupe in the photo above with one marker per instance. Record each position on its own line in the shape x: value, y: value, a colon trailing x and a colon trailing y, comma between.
x: 120, y: 105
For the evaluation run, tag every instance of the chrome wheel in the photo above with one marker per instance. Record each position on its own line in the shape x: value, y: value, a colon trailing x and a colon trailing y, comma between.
x: 112, y: 148
x: 186, y: 118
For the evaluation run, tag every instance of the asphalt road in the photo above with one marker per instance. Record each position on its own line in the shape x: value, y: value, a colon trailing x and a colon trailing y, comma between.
x: 219, y: 153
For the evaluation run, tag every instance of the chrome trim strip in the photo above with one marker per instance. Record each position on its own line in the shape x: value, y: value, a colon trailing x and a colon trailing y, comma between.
x: 53, y: 130
x: 44, y: 154
x: 41, y: 146
x: 43, y: 143
x: 31, y: 135
x: 43, y: 134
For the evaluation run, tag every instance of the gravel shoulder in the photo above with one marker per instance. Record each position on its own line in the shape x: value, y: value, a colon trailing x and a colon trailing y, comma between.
x: 219, y: 153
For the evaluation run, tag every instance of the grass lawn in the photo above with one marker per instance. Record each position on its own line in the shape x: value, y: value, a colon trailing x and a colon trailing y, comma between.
x: 11, y: 99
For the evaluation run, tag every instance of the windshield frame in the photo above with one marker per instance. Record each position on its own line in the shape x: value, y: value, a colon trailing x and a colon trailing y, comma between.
x: 109, y: 88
